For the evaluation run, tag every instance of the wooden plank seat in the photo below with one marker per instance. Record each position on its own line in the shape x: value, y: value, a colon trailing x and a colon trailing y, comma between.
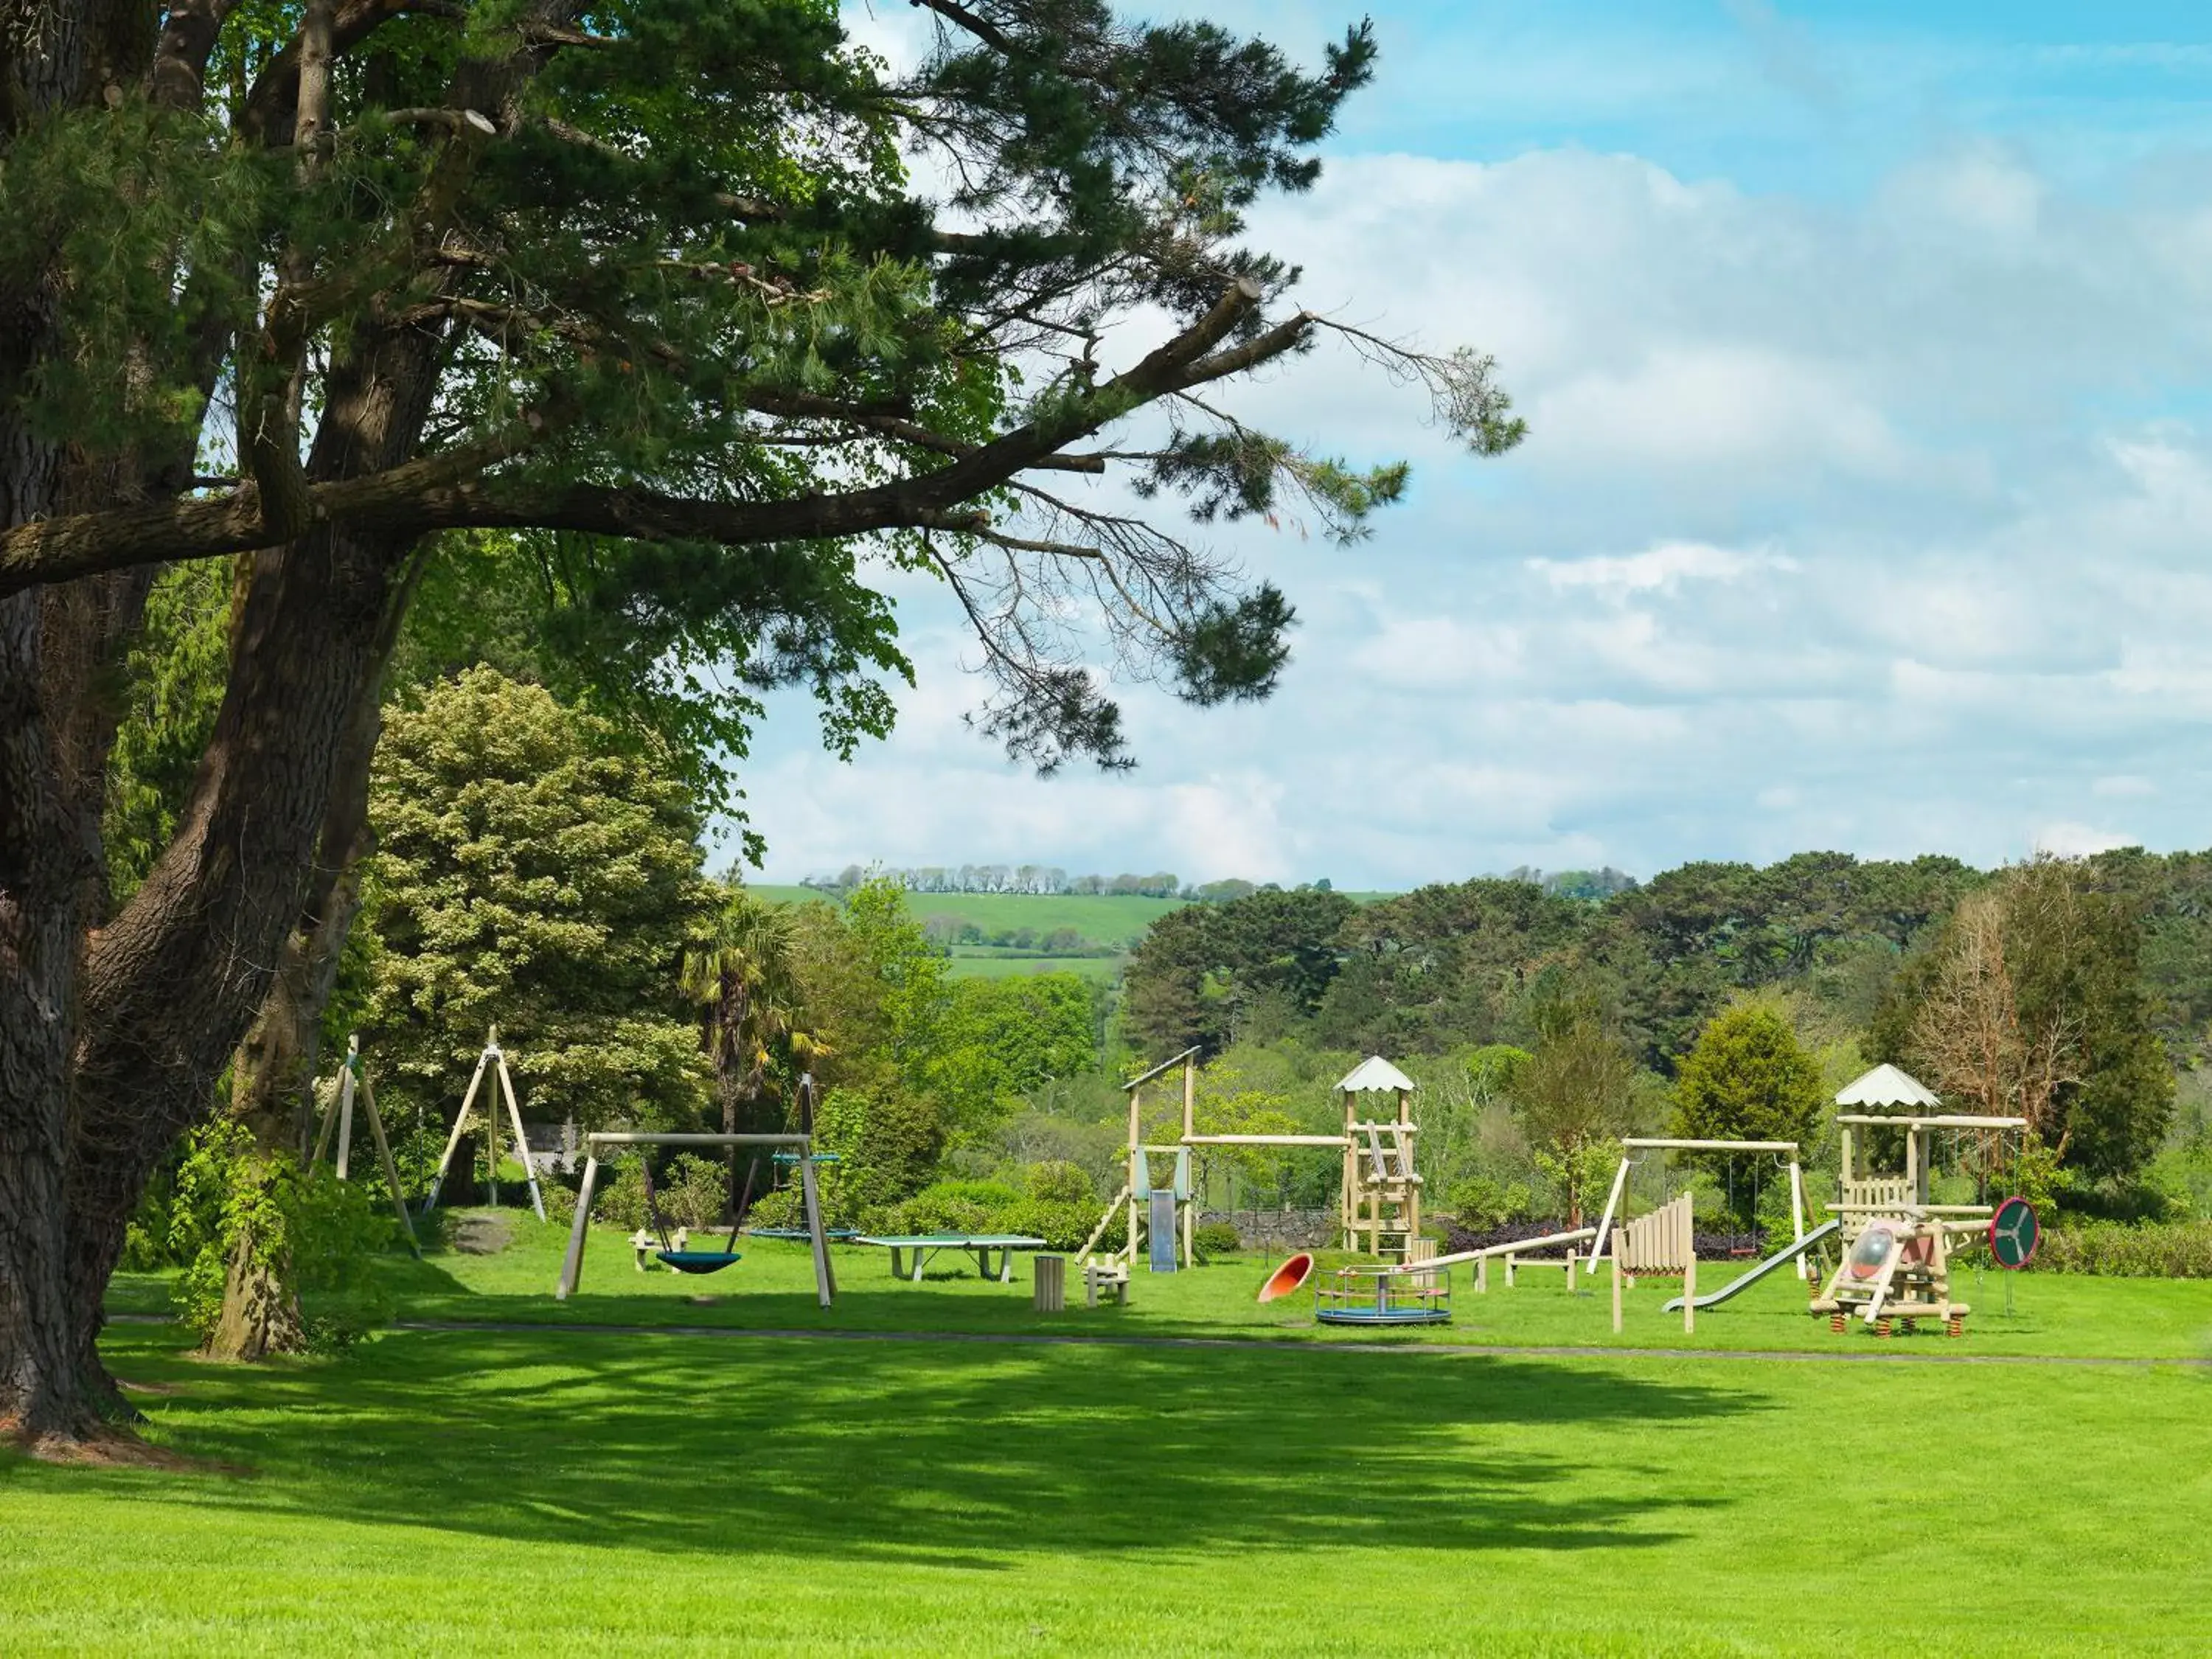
x: 1110, y: 1278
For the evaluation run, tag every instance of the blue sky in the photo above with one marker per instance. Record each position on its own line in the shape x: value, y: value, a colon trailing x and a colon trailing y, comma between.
x: 1866, y: 505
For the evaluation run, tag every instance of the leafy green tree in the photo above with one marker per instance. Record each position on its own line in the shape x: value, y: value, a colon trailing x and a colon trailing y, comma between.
x: 172, y: 680
x: 1200, y: 969
x: 1747, y: 1079
x: 2032, y: 1003
x: 996, y: 1039
x: 1448, y: 965
x: 1577, y: 1096
x: 531, y: 872
x: 742, y: 972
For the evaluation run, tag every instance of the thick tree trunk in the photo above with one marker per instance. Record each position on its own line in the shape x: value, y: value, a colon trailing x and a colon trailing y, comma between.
x: 172, y: 985
x: 260, y: 1309
x: 42, y: 1392
x: 273, y: 1071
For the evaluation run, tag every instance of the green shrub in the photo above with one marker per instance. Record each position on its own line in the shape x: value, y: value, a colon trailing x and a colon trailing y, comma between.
x: 1216, y: 1238
x: 691, y: 1192
x: 1055, y: 1180
x: 318, y: 1234
x: 1063, y: 1226
x: 1481, y: 1204
x: 949, y: 1207
x: 2173, y: 1249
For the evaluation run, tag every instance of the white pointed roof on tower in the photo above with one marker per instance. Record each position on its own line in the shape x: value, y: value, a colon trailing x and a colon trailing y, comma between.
x: 1886, y: 1085
x: 1374, y: 1075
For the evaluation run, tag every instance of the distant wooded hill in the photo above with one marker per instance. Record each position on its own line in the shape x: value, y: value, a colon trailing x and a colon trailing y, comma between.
x: 1476, y: 962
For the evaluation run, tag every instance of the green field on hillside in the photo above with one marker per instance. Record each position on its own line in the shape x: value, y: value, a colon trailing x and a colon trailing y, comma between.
x: 1105, y: 919
x: 1004, y: 964
x: 934, y: 1468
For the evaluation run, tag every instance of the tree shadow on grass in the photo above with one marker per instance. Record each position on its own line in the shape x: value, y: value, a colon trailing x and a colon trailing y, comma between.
x: 949, y: 1454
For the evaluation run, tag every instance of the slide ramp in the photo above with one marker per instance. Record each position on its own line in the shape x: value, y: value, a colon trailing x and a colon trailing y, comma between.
x: 1788, y: 1253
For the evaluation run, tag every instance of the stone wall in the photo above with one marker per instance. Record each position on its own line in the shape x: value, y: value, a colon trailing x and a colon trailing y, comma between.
x: 1281, y: 1229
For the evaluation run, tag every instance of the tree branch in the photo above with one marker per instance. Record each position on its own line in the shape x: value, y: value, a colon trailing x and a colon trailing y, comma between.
x: 448, y: 492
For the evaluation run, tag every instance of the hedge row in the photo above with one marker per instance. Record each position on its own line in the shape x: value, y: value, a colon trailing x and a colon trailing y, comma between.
x: 2170, y: 1250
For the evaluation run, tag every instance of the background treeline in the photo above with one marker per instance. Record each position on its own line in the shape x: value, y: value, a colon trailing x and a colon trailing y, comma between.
x: 1049, y: 879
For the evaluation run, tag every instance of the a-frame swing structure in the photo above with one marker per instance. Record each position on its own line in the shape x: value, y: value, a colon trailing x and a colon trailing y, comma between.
x: 493, y: 1059
x: 339, y: 1117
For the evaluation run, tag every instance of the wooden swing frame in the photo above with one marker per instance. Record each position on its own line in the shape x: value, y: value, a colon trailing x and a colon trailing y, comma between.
x: 571, y: 1264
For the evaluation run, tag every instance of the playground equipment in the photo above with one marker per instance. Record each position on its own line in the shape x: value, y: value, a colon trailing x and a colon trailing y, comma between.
x: 1898, y: 1244
x: 684, y: 1261
x: 1384, y: 1296
x: 1287, y: 1278
x: 1380, y: 1196
x: 493, y: 1060
x: 353, y: 1073
x: 1507, y: 1253
x: 1796, y: 1251
x: 1662, y: 1242
x: 922, y: 1246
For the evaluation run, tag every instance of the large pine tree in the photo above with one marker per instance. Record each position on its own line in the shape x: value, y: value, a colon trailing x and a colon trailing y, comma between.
x: 652, y: 285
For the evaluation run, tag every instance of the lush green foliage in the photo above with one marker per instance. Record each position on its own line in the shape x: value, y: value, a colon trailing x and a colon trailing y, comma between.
x: 741, y: 972
x: 1747, y: 1079
x: 173, y: 682
x: 996, y: 1039
x: 2099, y: 950
x: 1203, y: 971
x: 316, y: 1233
x: 1054, y: 1202
x: 2171, y: 1249
x: 535, y: 873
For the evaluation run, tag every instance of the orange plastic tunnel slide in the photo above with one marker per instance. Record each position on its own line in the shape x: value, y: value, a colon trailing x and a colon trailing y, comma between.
x: 1288, y: 1276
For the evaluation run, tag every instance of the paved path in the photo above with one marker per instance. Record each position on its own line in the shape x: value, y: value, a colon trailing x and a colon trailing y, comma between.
x: 1890, y: 1356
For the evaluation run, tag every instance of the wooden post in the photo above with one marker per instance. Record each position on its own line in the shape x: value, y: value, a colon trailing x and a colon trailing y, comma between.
x: 1510, y: 1268
x: 1571, y: 1270
x: 1347, y: 1192
x: 572, y: 1265
x: 1797, y: 1216
x: 1616, y: 1293
x: 384, y: 1153
x: 323, y: 1134
x: 521, y: 1140
x: 1190, y: 1129
x: 453, y: 1141
x: 1689, y: 1259
x: 491, y: 1121
x: 345, y: 1106
x: 1136, y: 1135
x: 1048, y: 1284
x: 1482, y: 1275
x: 1605, y: 1222
x: 825, y: 1275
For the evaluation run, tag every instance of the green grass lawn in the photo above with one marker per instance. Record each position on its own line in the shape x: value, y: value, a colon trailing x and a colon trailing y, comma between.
x: 557, y: 1489
x: 998, y: 965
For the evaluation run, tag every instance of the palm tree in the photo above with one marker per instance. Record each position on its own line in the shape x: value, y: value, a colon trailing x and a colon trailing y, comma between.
x: 743, y: 975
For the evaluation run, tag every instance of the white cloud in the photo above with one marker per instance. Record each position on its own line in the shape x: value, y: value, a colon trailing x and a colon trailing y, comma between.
x: 1865, y: 524
x: 2073, y: 840
x: 1663, y: 568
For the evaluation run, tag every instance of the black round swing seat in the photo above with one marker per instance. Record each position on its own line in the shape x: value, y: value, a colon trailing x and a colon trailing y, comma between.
x: 699, y: 1262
